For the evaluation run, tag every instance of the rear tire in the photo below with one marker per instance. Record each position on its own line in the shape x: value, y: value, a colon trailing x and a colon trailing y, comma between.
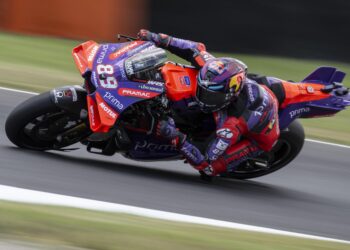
x: 289, y: 145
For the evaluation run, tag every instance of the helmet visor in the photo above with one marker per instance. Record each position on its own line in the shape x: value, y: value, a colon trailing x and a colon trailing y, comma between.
x: 210, y: 98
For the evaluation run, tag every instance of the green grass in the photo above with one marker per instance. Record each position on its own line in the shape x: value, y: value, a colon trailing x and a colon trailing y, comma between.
x: 108, y: 231
x: 39, y: 64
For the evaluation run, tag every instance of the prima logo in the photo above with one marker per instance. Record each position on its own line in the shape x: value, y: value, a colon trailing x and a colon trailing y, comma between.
x: 145, y: 145
x: 298, y: 112
x: 113, y: 100
x: 103, y: 53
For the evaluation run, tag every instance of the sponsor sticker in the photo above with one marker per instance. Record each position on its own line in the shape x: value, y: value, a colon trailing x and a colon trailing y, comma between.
x: 222, y: 145
x: 113, y: 100
x: 250, y: 93
x: 92, y: 115
x: 92, y: 53
x: 273, y: 121
x: 71, y: 92
x: 264, y: 103
x: 123, y: 50
x: 102, y: 54
x: 151, y: 88
x: 300, y: 111
x: 108, y: 110
x: 147, y: 48
x: 128, y: 68
x: 224, y: 133
x: 155, y: 83
x: 310, y: 89
x: 121, y: 69
x: 217, y: 66
x: 186, y: 81
x: 144, y: 145
x: 94, y: 78
x: 208, y: 170
x: 136, y: 93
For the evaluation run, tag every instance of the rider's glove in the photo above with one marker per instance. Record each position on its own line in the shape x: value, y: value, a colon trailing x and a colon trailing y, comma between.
x: 205, y: 168
x: 144, y: 35
x: 212, y: 169
x: 167, y: 129
x: 161, y: 40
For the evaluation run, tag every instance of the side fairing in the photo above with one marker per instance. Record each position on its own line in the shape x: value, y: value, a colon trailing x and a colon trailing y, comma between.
x: 114, y: 91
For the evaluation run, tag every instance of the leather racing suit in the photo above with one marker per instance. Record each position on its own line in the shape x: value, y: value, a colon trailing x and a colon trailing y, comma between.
x: 244, y: 129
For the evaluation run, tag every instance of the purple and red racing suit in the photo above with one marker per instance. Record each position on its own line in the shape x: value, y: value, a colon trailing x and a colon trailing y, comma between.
x: 244, y: 129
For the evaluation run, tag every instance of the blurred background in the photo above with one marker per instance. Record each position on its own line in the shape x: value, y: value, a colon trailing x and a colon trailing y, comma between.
x: 283, y: 38
x: 298, y: 28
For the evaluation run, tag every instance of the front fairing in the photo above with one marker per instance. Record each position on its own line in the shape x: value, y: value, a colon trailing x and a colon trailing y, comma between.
x: 113, y: 92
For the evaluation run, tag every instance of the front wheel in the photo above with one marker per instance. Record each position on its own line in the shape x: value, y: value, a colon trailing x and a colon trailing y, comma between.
x: 289, y: 145
x: 39, y: 124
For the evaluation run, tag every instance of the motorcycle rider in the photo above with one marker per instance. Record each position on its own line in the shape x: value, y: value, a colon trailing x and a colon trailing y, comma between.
x: 246, y: 113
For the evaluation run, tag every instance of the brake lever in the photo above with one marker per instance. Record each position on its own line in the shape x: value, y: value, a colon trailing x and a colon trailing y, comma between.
x: 129, y: 38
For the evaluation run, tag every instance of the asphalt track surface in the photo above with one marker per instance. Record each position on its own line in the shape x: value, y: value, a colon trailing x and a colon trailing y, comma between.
x: 311, y: 195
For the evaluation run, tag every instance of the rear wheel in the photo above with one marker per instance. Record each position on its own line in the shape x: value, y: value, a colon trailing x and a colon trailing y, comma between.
x: 286, y: 149
x: 39, y: 124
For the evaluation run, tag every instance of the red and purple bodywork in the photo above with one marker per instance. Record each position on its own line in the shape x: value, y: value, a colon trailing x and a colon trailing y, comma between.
x: 320, y: 94
x: 112, y: 92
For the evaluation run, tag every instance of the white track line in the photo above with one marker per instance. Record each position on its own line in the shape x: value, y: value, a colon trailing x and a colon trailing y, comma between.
x: 36, y: 197
x: 328, y: 143
x: 309, y: 140
x: 19, y: 91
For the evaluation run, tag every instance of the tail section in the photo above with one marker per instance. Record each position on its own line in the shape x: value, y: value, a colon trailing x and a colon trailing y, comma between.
x: 332, y: 79
x: 319, y: 94
x: 325, y: 75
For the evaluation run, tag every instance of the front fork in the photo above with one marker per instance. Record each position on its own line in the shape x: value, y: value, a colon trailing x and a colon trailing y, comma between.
x: 71, y: 99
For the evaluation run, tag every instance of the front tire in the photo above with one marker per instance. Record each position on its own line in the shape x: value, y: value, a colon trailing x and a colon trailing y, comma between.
x: 38, y: 123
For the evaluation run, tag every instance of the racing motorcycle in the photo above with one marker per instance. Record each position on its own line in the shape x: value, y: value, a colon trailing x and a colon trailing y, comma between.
x: 128, y: 86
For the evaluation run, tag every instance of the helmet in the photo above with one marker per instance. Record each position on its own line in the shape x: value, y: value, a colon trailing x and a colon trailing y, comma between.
x: 219, y: 82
